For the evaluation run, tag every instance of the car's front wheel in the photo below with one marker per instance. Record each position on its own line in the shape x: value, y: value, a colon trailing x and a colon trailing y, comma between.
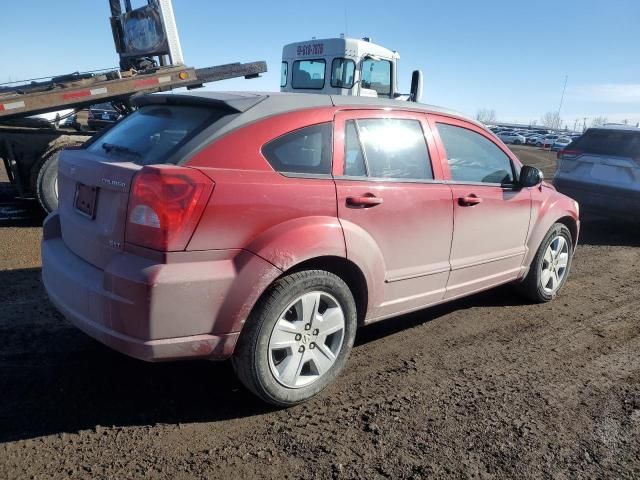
x: 550, y: 267
x: 298, y: 337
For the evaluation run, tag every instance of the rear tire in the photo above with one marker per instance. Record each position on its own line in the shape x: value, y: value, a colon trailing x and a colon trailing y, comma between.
x: 47, y: 183
x: 550, y: 267
x: 279, y: 357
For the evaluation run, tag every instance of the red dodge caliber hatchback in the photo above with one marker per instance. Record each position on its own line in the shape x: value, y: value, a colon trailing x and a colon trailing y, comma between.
x: 266, y: 228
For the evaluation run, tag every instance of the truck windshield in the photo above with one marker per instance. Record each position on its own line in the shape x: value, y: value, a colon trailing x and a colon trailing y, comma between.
x: 376, y: 75
x: 151, y: 134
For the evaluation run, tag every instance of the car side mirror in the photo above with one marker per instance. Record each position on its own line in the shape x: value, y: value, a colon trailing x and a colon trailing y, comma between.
x: 530, y: 176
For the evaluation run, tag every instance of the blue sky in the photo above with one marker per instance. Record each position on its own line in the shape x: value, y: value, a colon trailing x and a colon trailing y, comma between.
x: 511, y: 56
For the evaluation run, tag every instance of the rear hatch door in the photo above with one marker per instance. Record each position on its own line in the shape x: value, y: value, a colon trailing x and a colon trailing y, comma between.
x: 93, y: 197
x: 608, y: 158
x: 94, y: 182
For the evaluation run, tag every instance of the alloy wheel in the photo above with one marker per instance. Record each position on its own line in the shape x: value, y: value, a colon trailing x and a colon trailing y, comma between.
x: 554, y: 265
x: 306, y: 339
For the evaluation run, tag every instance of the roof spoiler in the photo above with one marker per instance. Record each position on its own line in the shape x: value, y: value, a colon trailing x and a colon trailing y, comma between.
x: 222, y: 101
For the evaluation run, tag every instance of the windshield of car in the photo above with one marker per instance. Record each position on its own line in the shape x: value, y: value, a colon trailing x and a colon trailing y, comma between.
x: 618, y: 143
x: 151, y: 134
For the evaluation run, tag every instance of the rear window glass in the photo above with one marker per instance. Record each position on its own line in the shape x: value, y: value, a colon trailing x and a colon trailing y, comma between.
x: 308, y: 74
x: 617, y: 143
x: 102, y: 106
x: 307, y: 150
x: 390, y: 148
x: 151, y: 134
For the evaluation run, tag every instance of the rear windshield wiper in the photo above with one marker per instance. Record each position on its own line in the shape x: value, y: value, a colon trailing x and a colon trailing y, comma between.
x: 111, y: 147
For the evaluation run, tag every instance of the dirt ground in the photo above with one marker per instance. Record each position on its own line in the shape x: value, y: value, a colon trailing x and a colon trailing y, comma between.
x: 486, y: 387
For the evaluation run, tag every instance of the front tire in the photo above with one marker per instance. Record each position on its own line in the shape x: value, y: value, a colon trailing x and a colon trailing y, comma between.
x: 550, y: 267
x: 297, y: 338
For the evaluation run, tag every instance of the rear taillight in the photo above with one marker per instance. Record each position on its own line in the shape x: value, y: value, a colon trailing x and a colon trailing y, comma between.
x: 165, y: 205
x: 568, y: 154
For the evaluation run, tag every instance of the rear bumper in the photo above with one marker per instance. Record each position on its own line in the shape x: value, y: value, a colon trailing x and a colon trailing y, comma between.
x: 216, y: 347
x: 600, y: 199
x: 150, y: 310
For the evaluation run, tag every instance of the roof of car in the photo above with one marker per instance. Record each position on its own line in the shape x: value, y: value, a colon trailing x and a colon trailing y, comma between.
x: 256, y: 105
x: 617, y: 126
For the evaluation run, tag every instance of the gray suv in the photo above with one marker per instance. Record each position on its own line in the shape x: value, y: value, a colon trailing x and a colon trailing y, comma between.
x: 601, y: 170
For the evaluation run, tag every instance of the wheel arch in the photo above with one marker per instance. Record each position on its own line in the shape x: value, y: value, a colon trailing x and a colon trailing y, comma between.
x: 347, y: 270
x: 572, y: 225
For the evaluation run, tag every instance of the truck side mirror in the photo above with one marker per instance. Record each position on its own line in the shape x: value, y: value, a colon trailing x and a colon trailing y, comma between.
x: 416, y: 86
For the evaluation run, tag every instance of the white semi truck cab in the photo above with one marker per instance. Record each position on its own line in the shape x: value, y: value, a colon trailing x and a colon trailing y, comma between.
x: 344, y: 66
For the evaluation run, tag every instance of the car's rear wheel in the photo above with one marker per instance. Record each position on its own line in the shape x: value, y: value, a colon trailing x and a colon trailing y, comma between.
x: 550, y: 267
x: 298, y: 337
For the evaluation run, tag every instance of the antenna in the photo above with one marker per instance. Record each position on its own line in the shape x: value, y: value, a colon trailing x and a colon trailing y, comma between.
x: 562, y: 96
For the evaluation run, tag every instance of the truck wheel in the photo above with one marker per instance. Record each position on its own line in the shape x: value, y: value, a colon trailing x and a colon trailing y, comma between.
x: 550, y: 267
x: 297, y: 338
x: 47, y: 183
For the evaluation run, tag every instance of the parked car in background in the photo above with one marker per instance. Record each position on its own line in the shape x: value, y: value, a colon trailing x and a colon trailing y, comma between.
x: 560, y: 143
x: 533, y: 139
x: 547, y: 140
x: 267, y: 228
x: 601, y: 169
x: 511, y: 137
x: 101, y: 115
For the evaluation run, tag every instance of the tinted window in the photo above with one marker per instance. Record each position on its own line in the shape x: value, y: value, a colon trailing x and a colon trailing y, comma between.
x: 618, y: 143
x: 307, y: 150
x: 284, y: 71
x: 474, y: 158
x: 308, y: 74
x: 393, y: 148
x: 102, y: 106
x: 353, y: 158
x: 342, y: 71
x: 149, y: 135
x: 376, y: 75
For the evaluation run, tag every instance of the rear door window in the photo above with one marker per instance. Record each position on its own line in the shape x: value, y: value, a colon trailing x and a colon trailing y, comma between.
x: 474, y: 158
x: 150, y: 135
x: 303, y: 151
x: 308, y: 74
x: 388, y: 148
x: 616, y: 143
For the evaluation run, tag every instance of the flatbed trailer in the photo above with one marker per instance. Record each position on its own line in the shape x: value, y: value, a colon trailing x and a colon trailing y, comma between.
x: 113, y: 86
x: 30, y: 151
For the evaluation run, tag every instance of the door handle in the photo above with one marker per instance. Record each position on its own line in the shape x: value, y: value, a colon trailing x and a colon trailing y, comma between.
x: 469, y: 200
x: 365, y: 201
